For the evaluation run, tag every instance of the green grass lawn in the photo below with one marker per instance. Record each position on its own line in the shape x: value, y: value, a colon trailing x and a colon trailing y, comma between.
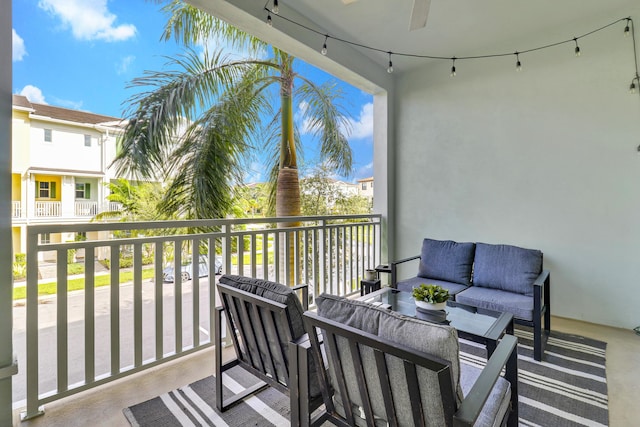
x: 78, y: 284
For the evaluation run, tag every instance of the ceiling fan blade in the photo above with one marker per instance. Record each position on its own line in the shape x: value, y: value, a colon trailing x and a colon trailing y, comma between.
x: 419, y: 14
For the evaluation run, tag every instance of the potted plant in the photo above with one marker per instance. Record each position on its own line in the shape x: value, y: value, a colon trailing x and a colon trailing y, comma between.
x: 430, y: 297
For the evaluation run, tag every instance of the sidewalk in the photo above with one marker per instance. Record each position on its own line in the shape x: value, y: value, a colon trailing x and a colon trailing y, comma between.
x: 48, y: 273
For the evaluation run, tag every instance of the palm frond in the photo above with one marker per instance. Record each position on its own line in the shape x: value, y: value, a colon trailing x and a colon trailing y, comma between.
x: 328, y: 122
x: 191, y: 26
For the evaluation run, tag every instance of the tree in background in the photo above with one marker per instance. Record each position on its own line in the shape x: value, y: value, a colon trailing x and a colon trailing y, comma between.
x: 203, y: 117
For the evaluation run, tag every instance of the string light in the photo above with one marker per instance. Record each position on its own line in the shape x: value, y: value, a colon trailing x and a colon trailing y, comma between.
x: 633, y: 88
x: 628, y: 30
x: 518, y: 63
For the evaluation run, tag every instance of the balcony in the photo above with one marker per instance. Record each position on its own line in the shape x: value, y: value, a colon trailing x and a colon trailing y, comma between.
x: 127, y: 321
x: 47, y: 209
x: 16, y: 209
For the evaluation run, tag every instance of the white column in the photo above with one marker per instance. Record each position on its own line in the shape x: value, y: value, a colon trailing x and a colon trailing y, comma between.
x: 6, y: 279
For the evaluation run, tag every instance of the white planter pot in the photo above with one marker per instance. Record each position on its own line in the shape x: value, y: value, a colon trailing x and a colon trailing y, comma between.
x: 431, y: 306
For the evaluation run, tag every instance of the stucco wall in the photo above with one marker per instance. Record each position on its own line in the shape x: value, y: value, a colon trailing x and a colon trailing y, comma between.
x: 545, y: 158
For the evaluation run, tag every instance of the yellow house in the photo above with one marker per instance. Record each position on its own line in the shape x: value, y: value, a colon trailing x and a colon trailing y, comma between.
x: 61, y: 161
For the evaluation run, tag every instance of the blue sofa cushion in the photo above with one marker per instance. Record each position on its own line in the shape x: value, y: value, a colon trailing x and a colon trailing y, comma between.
x: 521, y: 306
x: 446, y: 260
x: 414, y: 282
x: 506, y: 267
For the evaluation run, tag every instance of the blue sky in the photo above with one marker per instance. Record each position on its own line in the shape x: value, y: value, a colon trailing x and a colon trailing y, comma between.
x: 81, y: 54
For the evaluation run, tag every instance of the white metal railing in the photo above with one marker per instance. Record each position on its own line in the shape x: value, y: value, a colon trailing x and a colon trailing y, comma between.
x: 114, y: 207
x: 85, y: 208
x: 128, y: 333
x: 47, y: 209
x: 16, y: 209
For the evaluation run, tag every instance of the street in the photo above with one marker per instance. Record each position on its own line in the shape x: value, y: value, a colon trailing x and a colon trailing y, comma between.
x: 47, y: 337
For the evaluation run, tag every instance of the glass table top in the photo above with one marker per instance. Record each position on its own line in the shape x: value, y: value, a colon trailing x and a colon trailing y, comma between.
x: 462, y: 317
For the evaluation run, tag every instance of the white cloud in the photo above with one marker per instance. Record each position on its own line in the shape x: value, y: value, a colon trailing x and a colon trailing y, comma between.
x: 365, y: 171
x: 363, y: 126
x: 88, y: 19
x: 216, y: 43
x: 304, y: 124
x: 33, y: 94
x: 18, y: 50
x: 124, y: 64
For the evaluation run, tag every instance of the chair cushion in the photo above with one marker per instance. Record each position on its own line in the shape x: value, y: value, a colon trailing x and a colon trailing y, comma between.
x: 437, y: 340
x: 273, y: 291
x: 408, y: 285
x: 521, y: 306
x: 446, y: 260
x: 496, y: 407
x: 506, y: 267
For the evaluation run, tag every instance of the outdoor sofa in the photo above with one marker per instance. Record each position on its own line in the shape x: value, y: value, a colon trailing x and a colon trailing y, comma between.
x: 502, y: 278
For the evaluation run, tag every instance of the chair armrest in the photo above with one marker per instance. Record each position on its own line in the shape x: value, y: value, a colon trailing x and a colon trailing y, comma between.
x: 305, y: 294
x: 542, y: 278
x: 394, y: 268
x: 472, y: 404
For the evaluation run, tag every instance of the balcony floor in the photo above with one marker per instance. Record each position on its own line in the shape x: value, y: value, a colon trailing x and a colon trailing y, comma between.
x: 106, y: 403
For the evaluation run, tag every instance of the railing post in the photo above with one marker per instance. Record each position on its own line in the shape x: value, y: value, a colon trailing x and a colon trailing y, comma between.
x: 322, y: 261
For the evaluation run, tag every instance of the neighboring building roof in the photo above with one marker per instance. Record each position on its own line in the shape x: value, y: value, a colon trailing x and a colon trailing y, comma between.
x: 365, y: 179
x: 60, y: 113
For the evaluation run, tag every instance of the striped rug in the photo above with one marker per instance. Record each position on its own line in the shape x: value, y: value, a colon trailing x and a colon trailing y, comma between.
x: 568, y: 388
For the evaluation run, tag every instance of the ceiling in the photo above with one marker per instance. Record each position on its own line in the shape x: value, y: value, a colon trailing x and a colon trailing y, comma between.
x: 459, y: 27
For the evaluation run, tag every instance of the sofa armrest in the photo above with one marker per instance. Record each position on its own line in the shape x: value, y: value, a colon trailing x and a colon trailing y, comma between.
x: 505, y: 355
x: 394, y: 268
x: 305, y: 294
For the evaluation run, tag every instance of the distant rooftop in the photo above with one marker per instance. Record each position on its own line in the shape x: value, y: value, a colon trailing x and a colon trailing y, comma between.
x: 61, y: 113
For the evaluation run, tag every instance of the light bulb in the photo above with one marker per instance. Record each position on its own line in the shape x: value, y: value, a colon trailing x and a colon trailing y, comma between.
x: 390, y: 68
x: 577, y: 50
x: 632, y: 88
x: 453, y: 71
x: 518, y: 66
x: 269, y: 21
x: 275, y: 8
x: 324, y: 46
x: 627, y: 30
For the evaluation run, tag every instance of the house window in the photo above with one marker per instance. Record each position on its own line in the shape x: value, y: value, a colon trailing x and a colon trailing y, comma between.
x: 87, y: 140
x: 364, y: 185
x: 81, y: 236
x: 45, y: 238
x: 371, y: 184
x: 48, y: 135
x: 83, y: 190
x: 46, y: 189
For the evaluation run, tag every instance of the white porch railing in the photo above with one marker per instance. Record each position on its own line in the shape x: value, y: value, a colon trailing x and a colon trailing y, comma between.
x: 16, y: 209
x: 47, y: 209
x: 128, y: 328
x: 85, y: 208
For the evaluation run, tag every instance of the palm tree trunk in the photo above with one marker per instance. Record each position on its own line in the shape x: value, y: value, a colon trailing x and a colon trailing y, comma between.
x: 288, y: 189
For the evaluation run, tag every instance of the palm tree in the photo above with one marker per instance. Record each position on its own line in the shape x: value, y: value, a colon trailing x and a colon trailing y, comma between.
x: 199, y: 121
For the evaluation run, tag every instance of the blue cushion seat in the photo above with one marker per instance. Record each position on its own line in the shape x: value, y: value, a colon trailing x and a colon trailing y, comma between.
x: 446, y: 260
x: 521, y: 306
x: 506, y: 267
x: 408, y: 284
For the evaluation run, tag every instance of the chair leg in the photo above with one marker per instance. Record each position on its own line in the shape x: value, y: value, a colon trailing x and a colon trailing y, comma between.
x: 537, y: 338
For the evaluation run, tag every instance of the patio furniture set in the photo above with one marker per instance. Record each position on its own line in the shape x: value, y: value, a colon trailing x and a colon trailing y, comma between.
x: 378, y: 359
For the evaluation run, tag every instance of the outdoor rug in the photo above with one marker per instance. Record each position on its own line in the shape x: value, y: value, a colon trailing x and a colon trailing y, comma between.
x: 568, y: 388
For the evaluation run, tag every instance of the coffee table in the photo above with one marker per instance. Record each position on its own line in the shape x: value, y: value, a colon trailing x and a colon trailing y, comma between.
x: 481, y: 326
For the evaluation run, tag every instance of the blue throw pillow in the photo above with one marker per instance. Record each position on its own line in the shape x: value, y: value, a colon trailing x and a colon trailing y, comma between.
x: 508, y: 268
x: 446, y: 260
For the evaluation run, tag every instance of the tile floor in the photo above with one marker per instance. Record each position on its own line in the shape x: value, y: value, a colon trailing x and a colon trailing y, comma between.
x: 106, y: 403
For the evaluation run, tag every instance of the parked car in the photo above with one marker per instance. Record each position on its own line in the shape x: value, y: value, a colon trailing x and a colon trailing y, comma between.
x: 187, y: 269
